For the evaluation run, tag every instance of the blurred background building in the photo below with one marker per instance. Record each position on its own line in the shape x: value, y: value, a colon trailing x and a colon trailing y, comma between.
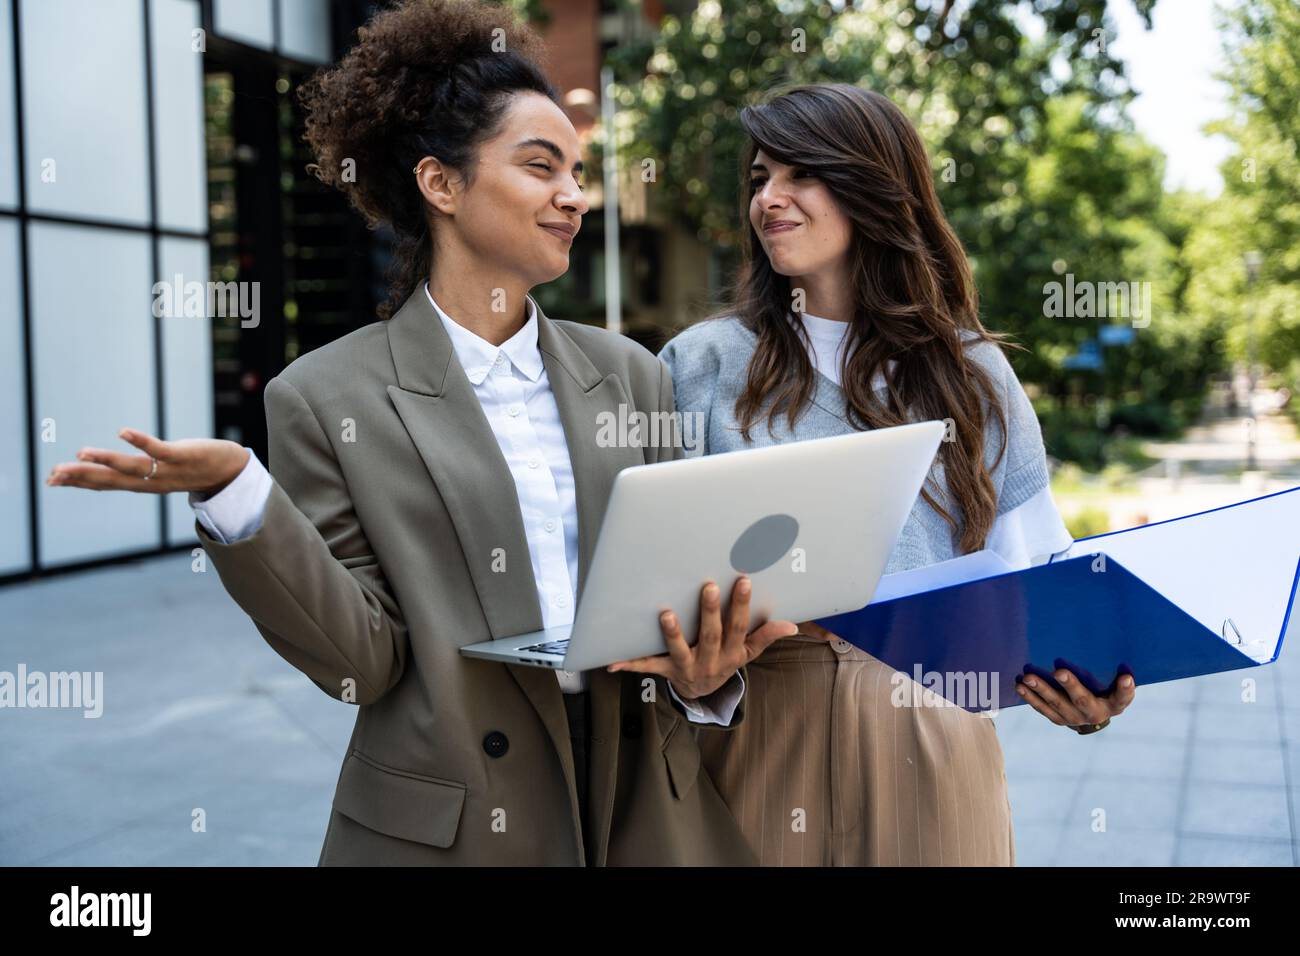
x: 142, y: 140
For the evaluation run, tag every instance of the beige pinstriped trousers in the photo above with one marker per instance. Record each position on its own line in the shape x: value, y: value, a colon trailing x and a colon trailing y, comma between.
x: 825, y: 769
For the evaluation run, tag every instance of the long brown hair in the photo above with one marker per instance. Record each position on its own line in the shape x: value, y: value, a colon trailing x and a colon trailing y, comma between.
x: 912, y: 289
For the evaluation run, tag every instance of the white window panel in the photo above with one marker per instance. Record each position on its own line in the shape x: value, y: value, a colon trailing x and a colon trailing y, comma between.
x: 15, y: 541
x: 248, y: 21
x: 180, y: 162
x: 84, y: 108
x: 8, y: 111
x: 93, y: 358
x: 187, y: 368
x: 305, y: 30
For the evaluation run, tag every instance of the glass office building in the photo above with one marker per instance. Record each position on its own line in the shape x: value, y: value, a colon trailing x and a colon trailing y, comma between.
x: 144, y: 142
x: 148, y: 145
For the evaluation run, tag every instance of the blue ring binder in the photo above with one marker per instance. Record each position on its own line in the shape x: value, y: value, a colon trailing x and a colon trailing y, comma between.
x: 1088, y: 612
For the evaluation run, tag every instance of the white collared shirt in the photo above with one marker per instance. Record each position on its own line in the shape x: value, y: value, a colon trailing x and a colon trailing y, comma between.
x: 511, y: 383
x: 512, y: 386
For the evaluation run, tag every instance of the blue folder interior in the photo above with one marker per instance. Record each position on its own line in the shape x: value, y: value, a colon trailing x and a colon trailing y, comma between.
x: 1092, y: 615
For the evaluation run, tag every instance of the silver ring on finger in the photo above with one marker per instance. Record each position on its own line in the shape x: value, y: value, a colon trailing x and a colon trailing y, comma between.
x: 153, y: 470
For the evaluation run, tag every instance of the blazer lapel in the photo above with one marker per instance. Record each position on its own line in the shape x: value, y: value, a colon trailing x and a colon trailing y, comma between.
x: 443, y: 416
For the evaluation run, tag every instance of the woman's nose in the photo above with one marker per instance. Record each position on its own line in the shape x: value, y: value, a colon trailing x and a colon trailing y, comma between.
x: 771, y: 197
x: 575, y: 202
x: 578, y: 205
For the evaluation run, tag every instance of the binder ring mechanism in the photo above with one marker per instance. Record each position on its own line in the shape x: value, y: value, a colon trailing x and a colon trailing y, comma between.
x: 1236, y: 637
x: 1251, y: 649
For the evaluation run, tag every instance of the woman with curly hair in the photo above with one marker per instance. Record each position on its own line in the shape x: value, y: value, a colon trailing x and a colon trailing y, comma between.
x: 855, y: 308
x: 435, y: 481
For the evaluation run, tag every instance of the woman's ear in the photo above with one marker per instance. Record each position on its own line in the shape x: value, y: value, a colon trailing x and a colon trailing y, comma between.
x: 440, y: 185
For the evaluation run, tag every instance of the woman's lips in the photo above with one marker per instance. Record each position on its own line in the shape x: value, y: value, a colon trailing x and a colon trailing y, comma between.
x: 780, y: 227
x: 560, y: 233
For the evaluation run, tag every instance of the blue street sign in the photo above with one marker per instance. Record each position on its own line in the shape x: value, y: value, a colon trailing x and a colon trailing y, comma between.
x: 1116, y: 334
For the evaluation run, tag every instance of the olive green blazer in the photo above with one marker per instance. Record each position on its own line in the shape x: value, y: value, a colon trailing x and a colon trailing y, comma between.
x: 381, y: 552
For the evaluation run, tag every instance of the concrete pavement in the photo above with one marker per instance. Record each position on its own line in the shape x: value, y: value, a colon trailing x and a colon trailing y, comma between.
x: 200, y: 715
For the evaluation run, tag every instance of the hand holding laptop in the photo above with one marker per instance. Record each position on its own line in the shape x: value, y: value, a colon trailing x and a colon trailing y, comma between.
x: 722, y: 649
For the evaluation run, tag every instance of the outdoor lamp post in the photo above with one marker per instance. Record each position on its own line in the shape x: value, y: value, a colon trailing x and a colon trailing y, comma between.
x: 1253, y: 260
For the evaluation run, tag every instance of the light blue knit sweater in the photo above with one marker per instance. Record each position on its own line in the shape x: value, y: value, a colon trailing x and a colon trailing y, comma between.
x: 709, y: 363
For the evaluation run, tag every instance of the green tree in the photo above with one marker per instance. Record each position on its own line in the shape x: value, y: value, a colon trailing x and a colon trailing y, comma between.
x: 1259, y: 209
x: 1037, y: 164
x: 968, y: 74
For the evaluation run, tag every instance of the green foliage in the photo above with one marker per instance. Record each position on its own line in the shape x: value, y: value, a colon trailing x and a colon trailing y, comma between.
x: 966, y: 73
x: 1039, y: 169
x: 1071, y: 434
x: 1087, y: 522
x: 532, y: 11
x: 1260, y: 206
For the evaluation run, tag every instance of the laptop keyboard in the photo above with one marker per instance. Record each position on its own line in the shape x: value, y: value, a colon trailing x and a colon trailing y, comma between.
x: 549, y: 647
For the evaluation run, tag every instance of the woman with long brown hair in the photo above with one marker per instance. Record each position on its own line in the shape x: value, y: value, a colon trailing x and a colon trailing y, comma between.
x: 855, y: 308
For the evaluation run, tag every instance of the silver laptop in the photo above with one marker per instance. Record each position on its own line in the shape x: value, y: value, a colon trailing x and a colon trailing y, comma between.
x: 811, y: 522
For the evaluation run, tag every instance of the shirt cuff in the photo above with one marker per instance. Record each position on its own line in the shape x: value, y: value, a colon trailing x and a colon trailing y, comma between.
x: 235, y: 512
x: 719, y: 707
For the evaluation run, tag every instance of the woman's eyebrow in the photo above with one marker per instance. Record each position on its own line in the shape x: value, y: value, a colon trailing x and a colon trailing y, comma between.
x: 551, y: 148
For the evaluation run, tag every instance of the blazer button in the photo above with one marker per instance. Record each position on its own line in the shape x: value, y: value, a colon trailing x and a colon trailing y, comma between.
x: 496, y: 744
x: 632, y: 726
x: 841, y: 646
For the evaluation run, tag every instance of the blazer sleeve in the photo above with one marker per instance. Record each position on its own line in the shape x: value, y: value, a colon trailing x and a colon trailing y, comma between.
x: 672, y: 452
x: 308, y: 577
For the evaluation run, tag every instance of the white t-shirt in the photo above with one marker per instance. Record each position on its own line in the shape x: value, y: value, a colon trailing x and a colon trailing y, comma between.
x: 1025, y: 535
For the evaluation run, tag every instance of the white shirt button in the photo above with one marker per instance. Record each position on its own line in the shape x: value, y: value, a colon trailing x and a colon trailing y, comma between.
x: 514, y: 410
x: 561, y: 601
x: 532, y: 462
x: 550, y: 525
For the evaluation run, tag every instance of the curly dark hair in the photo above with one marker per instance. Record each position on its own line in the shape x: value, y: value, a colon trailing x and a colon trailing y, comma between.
x: 425, y: 78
